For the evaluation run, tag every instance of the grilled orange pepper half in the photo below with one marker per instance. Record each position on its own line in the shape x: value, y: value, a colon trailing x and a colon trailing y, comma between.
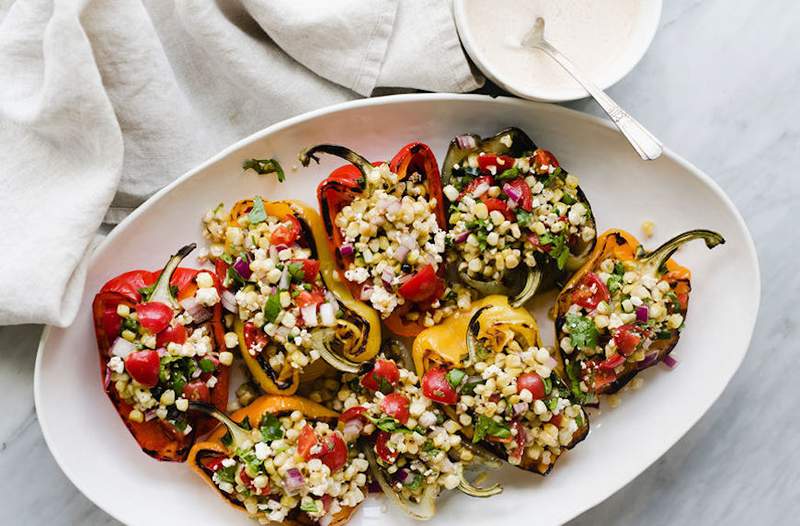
x: 205, y: 456
x: 357, y: 331
x: 602, y: 356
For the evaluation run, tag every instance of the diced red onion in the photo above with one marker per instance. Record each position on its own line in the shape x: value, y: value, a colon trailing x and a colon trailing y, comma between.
x: 346, y: 250
x: 649, y: 360
x: 520, y: 408
x: 161, y: 352
x: 352, y: 429
x: 228, y: 300
x: 400, y: 253
x: 642, y: 313
x: 196, y: 310
x: 669, y: 361
x: 283, y: 284
x: 242, y: 267
x: 366, y: 293
x: 196, y: 373
x: 514, y: 194
x: 327, y: 314
x: 460, y: 238
x: 294, y: 481
x: 273, y: 254
x: 402, y: 475
x: 387, y: 276
x: 466, y: 142
x: 480, y: 190
x: 122, y: 347
x: 309, y: 314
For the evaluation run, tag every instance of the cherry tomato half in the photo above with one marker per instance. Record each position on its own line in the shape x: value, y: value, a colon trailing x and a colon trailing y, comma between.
x: 436, y: 387
x: 627, y: 339
x: 253, y: 336
x: 334, y: 451
x: 286, y: 235
x: 248, y: 482
x: 172, y: 334
x: 612, y: 363
x: 382, y: 448
x: 396, y: 406
x: 315, y: 297
x: 143, y: 367
x: 474, y: 184
x: 154, y: 316
x: 492, y: 203
x: 197, y: 391
x: 355, y: 412
x: 501, y: 163
x: 543, y: 158
x: 310, y: 269
x: 383, y: 375
x: 590, y: 292
x: 526, y: 199
x: 422, y: 286
x: 533, y: 383
x: 306, y: 441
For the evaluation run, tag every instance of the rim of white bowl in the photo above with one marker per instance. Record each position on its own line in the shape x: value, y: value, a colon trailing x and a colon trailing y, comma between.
x: 649, y: 20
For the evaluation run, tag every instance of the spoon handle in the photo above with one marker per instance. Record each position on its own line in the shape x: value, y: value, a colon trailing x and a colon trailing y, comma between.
x: 645, y: 144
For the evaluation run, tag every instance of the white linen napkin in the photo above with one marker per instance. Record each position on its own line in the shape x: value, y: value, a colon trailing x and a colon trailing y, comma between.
x: 104, y: 102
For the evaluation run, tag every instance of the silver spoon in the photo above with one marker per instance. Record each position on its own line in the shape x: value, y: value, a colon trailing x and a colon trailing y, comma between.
x: 645, y: 144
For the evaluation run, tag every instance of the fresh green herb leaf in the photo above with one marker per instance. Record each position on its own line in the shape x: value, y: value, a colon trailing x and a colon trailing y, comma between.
x: 469, y: 387
x: 227, y: 440
x: 413, y: 483
x: 296, y: 272
x: 489, y: 427
x: 619, y: 268
x: 548, y: 385
x: 309, y: 506
x: 506, y: 175
x: 663, y: 335
x: 574, y: 374
x: 265, y: 166
x: 207, y: 366
x: 524, y: 218
x: 455, y: 377
x: 384, y: 386
x: 257, y: 213
x: 130, y: 324
x: 245, y: 423
x: 272, y: 308
x: 551, y: 403
x: 271, y: 428
x: 227, y: 474
x: 614, y: 283
x: 227, y: 258
x: 582, y: 331
x: 145, y: 292
x: 234, y: 277
x: 388, y: 424
x: 568, y: 199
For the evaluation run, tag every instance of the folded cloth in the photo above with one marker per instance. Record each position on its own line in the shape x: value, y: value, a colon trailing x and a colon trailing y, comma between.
x: 104, y: 102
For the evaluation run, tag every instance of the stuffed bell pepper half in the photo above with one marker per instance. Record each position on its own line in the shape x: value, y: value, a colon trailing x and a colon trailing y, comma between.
x: 488, y: 371
x: 281, y: 460
x: 291, y: 315
x: 414, y: 449
x: 518, y: 221
x: 387, y: 224
x: 160, y: 338
x: 623, y: 311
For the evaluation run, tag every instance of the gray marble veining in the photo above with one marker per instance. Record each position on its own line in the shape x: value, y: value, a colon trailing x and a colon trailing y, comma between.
x: 719, y: 86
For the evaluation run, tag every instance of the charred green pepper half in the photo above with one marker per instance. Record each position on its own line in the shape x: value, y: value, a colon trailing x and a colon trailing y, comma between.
x: 518, y: 221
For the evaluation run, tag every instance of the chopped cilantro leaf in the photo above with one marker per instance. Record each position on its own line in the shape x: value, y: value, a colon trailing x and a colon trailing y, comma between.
x: 309, y: 506
x: 455, y: 377
x: 265, y: 166
x: 505, y: 175
x: 489, y: 427
x: 207, y: 366
x: 257, y: 213
x: 272, y: 308
x: 582, y: 331
x: 271, y: 428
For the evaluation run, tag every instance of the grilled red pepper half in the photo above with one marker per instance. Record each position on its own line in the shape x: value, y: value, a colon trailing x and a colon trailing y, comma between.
x: 138, y: 315
x: 346, y: 183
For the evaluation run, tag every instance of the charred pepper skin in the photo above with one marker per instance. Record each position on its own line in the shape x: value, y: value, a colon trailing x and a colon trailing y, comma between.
x: 348, y: 182
x: 623, y: 246
x: 157, y: 438
x: 520, y: 284
x: 313, y: 237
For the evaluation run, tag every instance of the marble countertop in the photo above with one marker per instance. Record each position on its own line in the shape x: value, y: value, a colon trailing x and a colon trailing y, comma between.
x: 719, y: 86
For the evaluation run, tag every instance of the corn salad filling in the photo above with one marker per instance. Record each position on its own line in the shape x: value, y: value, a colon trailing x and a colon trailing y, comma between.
x: 513, y: 399
x: 413, y: 440
x: 615, y: 317
x: 279, y: 292
x: 291, y: 465
x: 157, y: 374
x: 504, y: 210
x: 391, y: 233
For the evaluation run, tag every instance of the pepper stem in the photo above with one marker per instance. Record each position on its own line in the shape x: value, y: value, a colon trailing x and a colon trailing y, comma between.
x: 658, y: 257
x: 238, y: 433
x: 532, y: 281
x: 472, y: 340
x: 321, y: 340
x: 467, y: 487
x: 360, y: 162
x: 161, y: 290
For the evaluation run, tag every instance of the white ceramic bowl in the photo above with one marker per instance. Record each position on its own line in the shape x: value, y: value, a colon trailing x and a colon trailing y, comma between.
x: 97, y: 453
x: 644, y: 29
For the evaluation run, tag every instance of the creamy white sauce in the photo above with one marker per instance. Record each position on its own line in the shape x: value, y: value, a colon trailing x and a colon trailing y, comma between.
x: 595, y: 34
